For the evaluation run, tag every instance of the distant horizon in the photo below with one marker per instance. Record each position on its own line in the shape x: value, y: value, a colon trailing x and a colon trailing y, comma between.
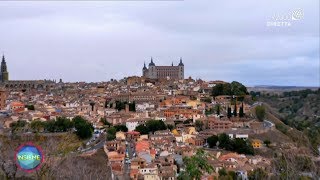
x: 250, y: 86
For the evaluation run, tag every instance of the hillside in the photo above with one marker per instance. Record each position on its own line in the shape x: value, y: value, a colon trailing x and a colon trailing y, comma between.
x: 62, y: 160
x: 299, y: 110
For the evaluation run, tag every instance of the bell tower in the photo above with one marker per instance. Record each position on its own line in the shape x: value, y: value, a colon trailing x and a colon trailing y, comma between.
x: 181, y: 69
x: 144, y: 70
x: 4, y: 71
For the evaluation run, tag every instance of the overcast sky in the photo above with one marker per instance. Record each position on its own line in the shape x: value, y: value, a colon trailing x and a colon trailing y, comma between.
x: 218, y: 40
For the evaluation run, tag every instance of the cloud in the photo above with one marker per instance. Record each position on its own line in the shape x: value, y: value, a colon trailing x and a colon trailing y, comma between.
x: 96, y: 41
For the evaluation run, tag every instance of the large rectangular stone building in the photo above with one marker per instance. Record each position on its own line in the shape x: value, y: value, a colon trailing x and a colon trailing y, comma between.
x: 163, y: 72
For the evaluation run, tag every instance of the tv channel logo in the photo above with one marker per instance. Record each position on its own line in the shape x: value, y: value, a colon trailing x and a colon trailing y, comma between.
x: 29, y: 157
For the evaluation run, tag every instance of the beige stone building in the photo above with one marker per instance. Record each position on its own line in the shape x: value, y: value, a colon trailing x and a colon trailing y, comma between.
x: 163, y: 72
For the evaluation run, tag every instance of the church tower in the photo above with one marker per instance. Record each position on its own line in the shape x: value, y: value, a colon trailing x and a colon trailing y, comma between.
x: 4, y: 71
x: 181, y: 69
x: 152, y: 70
x: 144, y: 70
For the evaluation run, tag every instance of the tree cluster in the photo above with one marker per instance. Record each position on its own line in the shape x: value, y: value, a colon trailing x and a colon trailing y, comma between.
x: 30, y: 107
x: 199, y: 125
x: 302, y: 93
x: 233, y: 88
x: 111, y: 132
x: 260, y: 112
x: 151, y: 126
x: 121, y: 127
x: 257, y: 174
x: 196, y: 166
x: 237, y: 145
x: 122, y: 105
x: 83, y: 128
x: 224, y: 174
x: 18, y: 125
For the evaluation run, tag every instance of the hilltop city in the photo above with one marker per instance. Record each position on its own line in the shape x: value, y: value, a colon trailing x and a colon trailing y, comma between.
x: 158, y: 125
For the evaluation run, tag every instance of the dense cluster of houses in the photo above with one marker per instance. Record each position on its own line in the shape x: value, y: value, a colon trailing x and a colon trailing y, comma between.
x: 158, y: 155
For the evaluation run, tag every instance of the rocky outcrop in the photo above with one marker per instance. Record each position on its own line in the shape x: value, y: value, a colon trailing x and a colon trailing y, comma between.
x: 90, y: 166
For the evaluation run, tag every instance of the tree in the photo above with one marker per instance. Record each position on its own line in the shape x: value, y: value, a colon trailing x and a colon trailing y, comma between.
x: 227, y: 89
x: 217, y: 107
x: 49, y: 126
x: 132, y: 106
x: 207, y: 100
x: 155, y: 125
x: 238, y: 89
x: 235, y: 110
x: 222, y: 172
x: 111, y: 133
x: 242, y: 146
x: 120, y: 105
x: 30, y: 107
x: 238, y: 145
x: 105, y: 122
x: 229, y: 112
x: 37, y: 125
x: 233, y: 88
x: 92, y: 105
x: 232, y: 174
x: 193, y: 98
x: 142, y: 129
x: 63, y: 124
x: 170, y: 127
x: 257, y: 174
x: 226, y: 175
x: 188, y: 121
x: 208, y: 111
x: 151, y: 126
x: 212, y: 141
x: 260, y: 112
x: 196, y: 166
x: 267, y: 142
x: 224, y: 141
x: 199, y: 125
x: 121, y: 127
x: 217, y: 90
x: 241, y: 113
x: 84, y: 129
x: 18, y: 125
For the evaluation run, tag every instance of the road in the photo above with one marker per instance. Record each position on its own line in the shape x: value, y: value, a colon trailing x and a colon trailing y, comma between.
x: 99, y: 145
x: 126, y: 170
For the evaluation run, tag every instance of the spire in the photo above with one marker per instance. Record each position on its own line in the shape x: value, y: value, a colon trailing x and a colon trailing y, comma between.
x: 144, y: 66
x: 181, y: 63
x: 151, y: 63
x: 172, y: 63
x: 3, y: 58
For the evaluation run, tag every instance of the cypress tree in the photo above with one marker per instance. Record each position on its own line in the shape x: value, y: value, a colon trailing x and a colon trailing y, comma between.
x: 218, y: 109
x: 241, y: 114
x: 229, y: 112
x: 235, y: 110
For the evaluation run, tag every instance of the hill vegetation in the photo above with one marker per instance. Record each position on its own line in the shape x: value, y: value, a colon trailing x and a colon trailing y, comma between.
x: 299, y: 110
x: 62, y: 160
x: 233, y: 88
